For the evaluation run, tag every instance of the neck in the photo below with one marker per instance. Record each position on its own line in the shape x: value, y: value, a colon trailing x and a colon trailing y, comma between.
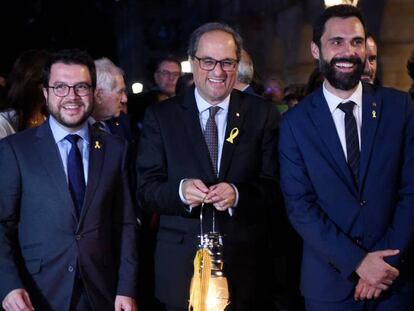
x: 344, y: 94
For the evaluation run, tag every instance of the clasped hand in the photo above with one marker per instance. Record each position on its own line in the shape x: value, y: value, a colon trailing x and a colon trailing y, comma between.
x: 375, y: 274
x: 221, y: 195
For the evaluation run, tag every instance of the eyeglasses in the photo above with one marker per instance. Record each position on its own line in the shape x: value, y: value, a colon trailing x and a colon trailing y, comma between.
x: 209, y: 64
x: 166, y: 73
x: 62, y: 89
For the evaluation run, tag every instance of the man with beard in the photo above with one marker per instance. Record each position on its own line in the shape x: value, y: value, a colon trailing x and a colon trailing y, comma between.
x: 347, y: 157
x: 67, y: 223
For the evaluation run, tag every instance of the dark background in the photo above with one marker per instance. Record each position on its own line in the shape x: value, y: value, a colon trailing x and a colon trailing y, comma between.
x: 133, y: 33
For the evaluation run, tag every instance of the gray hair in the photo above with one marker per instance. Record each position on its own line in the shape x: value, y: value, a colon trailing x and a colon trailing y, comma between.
x: 245, y: 70
x: 209, y: 27
x: 105, y: 74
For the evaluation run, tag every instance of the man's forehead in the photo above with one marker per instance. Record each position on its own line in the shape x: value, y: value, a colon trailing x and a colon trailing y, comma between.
x: 343, y: 27
x: 217, y: 41
x: 371, y: 45
x: 166, y: 64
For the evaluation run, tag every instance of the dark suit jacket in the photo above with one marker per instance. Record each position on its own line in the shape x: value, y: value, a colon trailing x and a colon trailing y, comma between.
x: 121, y: 126
x: 172, y: 148
x: 338, y: 222
x: 42, y: 240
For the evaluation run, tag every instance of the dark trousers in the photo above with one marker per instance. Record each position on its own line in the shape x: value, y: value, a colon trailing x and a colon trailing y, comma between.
x: 80, y: 300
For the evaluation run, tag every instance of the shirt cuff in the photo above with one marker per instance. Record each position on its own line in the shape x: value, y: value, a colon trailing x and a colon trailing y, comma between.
x: 187, y: 207
x: 236, y: 201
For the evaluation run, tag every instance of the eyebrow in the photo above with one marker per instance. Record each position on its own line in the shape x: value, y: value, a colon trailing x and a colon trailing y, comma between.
x: 337, y: 38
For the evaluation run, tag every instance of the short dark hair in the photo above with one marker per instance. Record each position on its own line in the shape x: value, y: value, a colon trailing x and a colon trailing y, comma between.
x: 168, y: 59
x: 209, y: 27
x: 410, y: 66
x: 341, y: 11
x: 70, y: 57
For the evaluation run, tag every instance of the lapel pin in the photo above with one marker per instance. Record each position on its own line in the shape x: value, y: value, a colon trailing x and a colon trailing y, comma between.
x: 374, y: 114
x: 97, y: 145
x: 233, y: 134
x: 237, y: 114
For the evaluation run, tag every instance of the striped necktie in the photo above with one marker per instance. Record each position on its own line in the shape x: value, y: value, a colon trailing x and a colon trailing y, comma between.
x: 352, y: 141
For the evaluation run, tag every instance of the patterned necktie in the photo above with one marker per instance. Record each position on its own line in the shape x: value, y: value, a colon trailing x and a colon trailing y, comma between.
x: 211, y: 136
x: 75, y: 173
x: 352, y: 141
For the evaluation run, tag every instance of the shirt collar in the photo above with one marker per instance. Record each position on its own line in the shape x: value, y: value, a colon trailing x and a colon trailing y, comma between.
x: 203, y: 105
x: 59, y: 133
x: 334, y: 101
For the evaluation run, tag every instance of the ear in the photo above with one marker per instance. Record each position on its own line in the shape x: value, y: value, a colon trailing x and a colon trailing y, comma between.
x: 191, y: 61
x: 98, y: 96
x: 45, y: 93
x: 315, y: 50
x: 156, y: 77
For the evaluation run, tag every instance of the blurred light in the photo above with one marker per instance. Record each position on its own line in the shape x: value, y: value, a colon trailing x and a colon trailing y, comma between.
x: 329, y: 3
x: 137, y: 87
x: 185, y: 66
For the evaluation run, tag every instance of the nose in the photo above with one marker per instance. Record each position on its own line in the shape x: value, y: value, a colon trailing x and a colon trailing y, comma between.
x: 218, y: 70
x: 72, y: 93
x: 124, y: 98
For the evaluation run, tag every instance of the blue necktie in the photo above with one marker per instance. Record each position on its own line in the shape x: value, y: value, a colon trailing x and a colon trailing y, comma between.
x: 352, y: 141
x: 75, y: 173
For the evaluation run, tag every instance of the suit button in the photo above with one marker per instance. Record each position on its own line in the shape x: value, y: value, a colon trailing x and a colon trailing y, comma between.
x: 70, y: 268
x: 78, y: 237
x: 363, y: 202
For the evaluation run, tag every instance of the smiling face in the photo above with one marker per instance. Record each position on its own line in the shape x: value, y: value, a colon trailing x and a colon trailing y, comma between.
x: 341, y: 54
x: 215, y: 85
x: 70, y: 111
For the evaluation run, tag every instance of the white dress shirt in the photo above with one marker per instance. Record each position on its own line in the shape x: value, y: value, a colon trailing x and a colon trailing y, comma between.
x: 338, y: 115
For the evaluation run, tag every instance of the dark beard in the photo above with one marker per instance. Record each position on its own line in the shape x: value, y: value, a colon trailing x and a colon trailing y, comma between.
x: 339, y: 80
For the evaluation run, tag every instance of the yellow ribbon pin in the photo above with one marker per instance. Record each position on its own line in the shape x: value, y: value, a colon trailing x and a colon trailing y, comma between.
x: 233, y: 134
x: 97, y: 145
x: 374, y: 114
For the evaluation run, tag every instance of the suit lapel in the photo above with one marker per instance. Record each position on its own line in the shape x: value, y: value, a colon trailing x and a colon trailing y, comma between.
x: 322, y: 118
x: 195, y: 135
x: 371, y: 109
x: 97, y: 149
x: 49, y: 154
x: 234, y: 130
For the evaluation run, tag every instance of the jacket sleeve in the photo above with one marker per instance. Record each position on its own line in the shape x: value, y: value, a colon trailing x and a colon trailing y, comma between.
x: 400, y: 232
x: 156, y: 191
x: 10, y: 191
x: 127, y: 223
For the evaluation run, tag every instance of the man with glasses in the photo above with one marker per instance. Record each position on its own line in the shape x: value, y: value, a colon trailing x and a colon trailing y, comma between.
x: 166, y: 74
x: 217, y: 146
x: 67, y: 221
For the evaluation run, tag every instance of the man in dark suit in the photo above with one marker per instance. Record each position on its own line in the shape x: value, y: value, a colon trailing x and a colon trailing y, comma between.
x: 110, y: 97
x: 67, y: 222
x: 179, y: 167
x: 346, y: 156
